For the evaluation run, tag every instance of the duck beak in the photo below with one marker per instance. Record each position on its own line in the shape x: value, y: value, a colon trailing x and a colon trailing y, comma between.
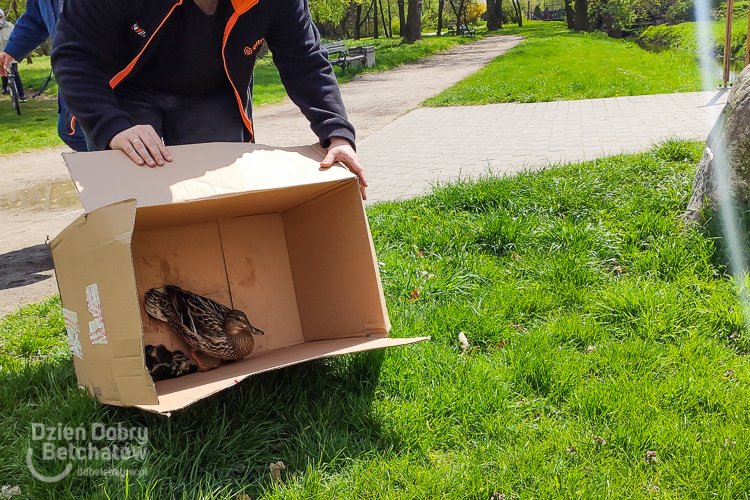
x: 256, y: 331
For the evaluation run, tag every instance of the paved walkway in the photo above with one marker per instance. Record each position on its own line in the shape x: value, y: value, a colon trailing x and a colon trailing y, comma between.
x: 440, y: 144
x: 402, y: 157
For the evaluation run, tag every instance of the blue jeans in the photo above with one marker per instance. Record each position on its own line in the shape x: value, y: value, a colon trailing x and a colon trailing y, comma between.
x: 180, y: 119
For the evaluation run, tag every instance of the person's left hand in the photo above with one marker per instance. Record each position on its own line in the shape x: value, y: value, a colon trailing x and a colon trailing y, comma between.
x: 5, y: 60
x: 340, y: 150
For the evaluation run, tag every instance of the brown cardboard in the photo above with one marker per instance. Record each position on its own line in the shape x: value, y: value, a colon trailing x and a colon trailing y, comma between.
x: 259, y: 229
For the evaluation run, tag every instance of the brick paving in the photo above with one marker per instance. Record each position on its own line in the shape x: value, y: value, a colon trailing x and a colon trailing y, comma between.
x: 431, y: 145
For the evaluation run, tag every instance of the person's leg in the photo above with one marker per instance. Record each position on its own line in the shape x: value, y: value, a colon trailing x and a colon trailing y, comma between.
x: 214, y: 118
x: 19, y: 83
x: 5, y: 84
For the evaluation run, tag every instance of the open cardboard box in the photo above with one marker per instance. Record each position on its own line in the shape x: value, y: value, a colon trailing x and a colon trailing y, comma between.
x: 259, y: 229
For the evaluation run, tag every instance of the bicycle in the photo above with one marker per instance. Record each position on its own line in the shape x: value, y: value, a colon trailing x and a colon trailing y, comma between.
x: 13, y: 91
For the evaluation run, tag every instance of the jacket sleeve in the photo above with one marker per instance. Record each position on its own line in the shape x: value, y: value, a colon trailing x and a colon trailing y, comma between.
x: 86, y: 41
x: 29, y: 32
x: 305, y: 71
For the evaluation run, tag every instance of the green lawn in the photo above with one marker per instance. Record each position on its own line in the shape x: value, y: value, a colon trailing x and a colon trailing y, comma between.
x: 37, y: 126
x: 684, y: 36
x: 607, y: 358
x: 555, y: 64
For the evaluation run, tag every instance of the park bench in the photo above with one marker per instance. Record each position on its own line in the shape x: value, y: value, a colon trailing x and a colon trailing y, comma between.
x: 343, y: 57
x: 461, y: 30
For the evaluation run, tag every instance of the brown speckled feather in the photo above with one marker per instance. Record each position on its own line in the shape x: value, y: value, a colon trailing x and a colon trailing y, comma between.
x: 199, y: 320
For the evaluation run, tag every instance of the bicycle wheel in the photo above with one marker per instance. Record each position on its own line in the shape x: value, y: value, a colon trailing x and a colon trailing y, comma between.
x: 13, y: 90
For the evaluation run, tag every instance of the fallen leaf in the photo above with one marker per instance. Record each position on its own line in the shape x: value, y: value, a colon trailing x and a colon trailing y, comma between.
x: 591, y: 348
x: 651, y: 457
x: 276, y: 470
x: 417, y: 250
x: 423, y: 273
x: 9, y: 491
x: 463, y: 341
x: 244, y: 496
x: 414, y: 294
x: 571, y: 449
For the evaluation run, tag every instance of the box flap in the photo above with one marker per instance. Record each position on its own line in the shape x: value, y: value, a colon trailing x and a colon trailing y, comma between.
x: 178, y: 393
x: 94, y: 269
x: 198, y: 171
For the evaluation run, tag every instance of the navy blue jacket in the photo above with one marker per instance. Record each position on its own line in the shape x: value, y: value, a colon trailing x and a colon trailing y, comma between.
x: 100, y: 43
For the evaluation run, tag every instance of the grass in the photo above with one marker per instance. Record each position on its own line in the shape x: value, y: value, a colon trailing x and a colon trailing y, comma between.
x: 685, y: 36
x: 554, y: 64
x: 37, y: 126
x: 607, y: 358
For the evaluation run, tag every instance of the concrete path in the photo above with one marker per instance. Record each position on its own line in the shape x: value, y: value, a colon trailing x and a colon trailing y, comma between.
x: 402, y: 157
x: 440, y: 144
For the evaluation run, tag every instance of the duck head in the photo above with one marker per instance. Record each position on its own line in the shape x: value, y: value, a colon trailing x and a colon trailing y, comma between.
x: 236, y: 322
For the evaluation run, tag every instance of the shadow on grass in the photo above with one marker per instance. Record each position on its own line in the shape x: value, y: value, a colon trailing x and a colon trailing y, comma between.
x: 314, y: 413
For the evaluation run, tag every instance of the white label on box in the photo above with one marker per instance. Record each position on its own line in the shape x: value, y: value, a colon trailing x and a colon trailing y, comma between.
x: 71, y: 326
x: 97, y: 333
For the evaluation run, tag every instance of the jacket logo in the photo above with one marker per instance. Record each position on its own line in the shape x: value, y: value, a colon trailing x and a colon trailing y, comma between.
x: 251, y: 50
x: 138, y: 30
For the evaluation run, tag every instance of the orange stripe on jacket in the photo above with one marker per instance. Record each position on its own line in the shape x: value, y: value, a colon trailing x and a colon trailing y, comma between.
x: 72, y: 126
x: 240, y: 6
x: 125, y: 72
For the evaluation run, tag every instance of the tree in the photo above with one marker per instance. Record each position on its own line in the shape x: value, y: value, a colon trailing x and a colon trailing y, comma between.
x: 459, y: 9
x: 519, y: 13
x: 401, y: 17
x: 414, y: 22
x: 570, y: 15
x: 441, y: 4
x: 494, y: 15
x: 474, y: 11
x: 582, y: 15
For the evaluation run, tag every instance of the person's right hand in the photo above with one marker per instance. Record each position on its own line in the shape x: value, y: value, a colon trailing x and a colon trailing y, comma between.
x: 142, y: 144
x: 5, y: 61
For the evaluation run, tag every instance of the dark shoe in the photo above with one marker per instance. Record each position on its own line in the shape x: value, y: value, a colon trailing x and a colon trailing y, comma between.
x: 5, y: 91
x: 22, y: 99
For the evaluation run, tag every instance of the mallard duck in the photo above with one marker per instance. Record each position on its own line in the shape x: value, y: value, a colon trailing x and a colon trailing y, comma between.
x: 163, y: 364
x: 206, y: 325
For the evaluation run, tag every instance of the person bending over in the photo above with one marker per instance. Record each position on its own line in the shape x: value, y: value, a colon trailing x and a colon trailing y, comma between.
x: 145, y: 74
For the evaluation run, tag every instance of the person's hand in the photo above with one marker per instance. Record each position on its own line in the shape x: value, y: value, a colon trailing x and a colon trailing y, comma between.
x: 5, y: 60
x: 142, y: 144
x: 340, y: 150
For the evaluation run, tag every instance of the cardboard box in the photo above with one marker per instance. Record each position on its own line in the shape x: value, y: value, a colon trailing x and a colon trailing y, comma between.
x: 259, y: 229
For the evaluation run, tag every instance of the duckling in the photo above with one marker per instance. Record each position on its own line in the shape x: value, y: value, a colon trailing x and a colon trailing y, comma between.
x: 181, y: 365
x: 163, y: 364
x: 206, y: 325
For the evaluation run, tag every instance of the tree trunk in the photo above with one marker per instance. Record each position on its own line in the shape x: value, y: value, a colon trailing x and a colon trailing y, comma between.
x: 570, y: 16
x: 390, y: 19
x: 414, y: 22
x: 357, y: 23
x: 582, y: 15
x: 382, y: 18
x: 519, y: 14
x: 726, y: 159
x: 493, y: 15
x: 441, y: 4
x: 375, y: 18
x: 401, y: 18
